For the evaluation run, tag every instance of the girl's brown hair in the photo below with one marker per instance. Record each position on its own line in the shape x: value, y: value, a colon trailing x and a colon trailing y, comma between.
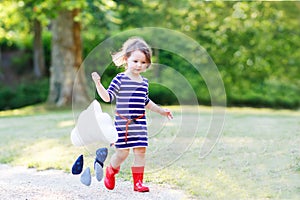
x: 131, y: 45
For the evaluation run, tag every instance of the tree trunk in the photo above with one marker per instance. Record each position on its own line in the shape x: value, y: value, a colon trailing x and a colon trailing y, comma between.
x: 66, y: 58
x: 39, y: 58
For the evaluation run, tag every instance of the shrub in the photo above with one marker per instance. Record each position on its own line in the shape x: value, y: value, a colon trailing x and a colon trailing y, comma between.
x: 24, y: 94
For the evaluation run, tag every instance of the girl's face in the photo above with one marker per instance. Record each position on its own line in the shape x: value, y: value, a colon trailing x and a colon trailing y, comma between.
x: 136, y: 63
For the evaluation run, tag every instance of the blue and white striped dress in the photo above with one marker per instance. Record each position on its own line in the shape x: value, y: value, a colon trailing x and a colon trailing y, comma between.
x: 131, y: 99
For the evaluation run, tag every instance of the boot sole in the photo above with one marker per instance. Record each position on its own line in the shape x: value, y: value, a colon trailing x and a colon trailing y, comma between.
x: 141, y: 190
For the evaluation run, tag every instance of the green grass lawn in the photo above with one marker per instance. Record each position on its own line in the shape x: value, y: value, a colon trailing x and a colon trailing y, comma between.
x: 256, y: 157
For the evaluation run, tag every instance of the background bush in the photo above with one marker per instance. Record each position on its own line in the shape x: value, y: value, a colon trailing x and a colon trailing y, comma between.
x: 255, y: 46
x: 24, y: 94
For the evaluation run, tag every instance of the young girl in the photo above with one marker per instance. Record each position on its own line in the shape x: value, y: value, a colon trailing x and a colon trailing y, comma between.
x: 130, y: 90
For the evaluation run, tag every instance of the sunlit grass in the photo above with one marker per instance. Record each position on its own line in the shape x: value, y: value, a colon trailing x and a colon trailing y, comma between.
x: 47, y: 152
x: 33, y: 109
x: 24, y: 111
x: 256, y: 157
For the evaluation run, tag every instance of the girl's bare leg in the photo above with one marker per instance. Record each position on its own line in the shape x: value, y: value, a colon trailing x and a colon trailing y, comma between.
x: 139, y: 156
x: 119, y: 157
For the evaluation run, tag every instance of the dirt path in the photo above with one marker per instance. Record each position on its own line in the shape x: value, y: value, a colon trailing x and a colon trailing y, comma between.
x: 29, y: 184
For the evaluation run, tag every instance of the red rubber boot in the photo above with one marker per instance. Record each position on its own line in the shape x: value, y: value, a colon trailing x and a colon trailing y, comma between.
x: 138, y: 175
x: 110, y: 179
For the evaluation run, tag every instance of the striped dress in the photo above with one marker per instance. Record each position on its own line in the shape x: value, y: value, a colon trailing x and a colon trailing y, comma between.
x: 130, y: 120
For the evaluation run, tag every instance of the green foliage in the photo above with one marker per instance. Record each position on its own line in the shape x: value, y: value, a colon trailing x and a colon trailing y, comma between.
x: 24, y: 94
x: 254, y: 44
x: 13, y: 27
x: 22, y: 62
x: 162, y: 95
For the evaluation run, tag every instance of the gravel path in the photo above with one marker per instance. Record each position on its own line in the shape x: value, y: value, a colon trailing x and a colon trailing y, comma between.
x: 29, y: 184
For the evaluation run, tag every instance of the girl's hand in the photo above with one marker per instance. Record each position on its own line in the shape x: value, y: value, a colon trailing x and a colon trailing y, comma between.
x: 168, y: 113
x: 95, y: 77
x: 100, y: 89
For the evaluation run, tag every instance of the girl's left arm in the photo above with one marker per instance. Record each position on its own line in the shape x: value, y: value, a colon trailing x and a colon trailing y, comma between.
x: 163, y: 111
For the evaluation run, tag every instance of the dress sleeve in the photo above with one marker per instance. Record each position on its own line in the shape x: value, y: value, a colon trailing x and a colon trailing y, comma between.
x: 114, y: 87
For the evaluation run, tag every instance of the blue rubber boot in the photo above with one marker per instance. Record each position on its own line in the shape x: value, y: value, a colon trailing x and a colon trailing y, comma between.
x: 101, y: 155
x: 78, y: 165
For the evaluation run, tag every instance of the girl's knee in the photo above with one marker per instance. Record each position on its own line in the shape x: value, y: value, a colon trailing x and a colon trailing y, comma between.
x: 122, y: 153
x: 139, y: 156
x: 140, y: 151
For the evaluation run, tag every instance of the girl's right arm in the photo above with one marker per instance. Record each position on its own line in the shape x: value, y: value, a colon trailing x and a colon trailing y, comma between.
x: 100, y: 89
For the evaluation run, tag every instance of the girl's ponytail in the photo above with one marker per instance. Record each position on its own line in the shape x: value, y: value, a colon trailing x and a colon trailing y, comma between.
x: 119, y: 58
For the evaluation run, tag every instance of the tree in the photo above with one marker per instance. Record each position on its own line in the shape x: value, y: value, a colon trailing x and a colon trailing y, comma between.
x: 66, y: 53
x: 66, y: 58
x: 39, y: 66
x: 254, y: 44
x: 36, y: 12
